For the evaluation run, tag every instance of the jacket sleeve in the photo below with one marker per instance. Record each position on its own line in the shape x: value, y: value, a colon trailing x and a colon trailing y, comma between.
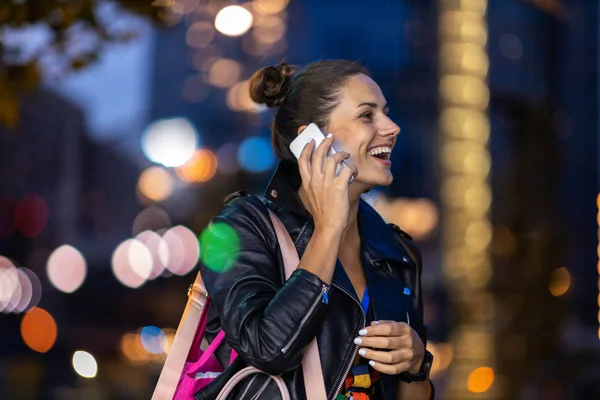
x: 268, y: 322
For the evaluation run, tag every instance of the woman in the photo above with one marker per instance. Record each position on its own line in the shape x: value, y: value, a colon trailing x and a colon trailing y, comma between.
x: 357, y: 288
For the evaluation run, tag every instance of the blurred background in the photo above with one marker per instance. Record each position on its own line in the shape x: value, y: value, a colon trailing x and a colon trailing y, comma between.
x: 123, y: 125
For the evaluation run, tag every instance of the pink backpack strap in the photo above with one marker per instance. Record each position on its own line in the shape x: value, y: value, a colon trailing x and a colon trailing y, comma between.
x: 314, y: 383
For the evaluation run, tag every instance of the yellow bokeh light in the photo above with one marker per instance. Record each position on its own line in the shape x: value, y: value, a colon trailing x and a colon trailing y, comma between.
x: 133, y: 350
x: 269, y: 6
x: 200, y: 168
x: 238, y: 97
x: 224, y: 72
x: 480, y: 380
x: 233, y: 21
x: 560, y: 281
x: 155, y: 183
x: 270, y: 30
x: 38, y: 330
x: 442, y: 357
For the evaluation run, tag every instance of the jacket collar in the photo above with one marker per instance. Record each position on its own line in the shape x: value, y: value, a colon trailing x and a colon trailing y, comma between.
x: 378, y: 239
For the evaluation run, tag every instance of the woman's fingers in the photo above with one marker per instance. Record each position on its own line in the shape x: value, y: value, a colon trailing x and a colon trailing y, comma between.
x: 332, y: 164
x: 390, y: 369
x: 384, y: 342
x: 349, y: 172
x: 319, y: 156
x: 304, y: 161
x: 388, y: 357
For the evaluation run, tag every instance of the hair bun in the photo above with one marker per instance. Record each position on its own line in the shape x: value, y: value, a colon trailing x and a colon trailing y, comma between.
x: 270, y: 85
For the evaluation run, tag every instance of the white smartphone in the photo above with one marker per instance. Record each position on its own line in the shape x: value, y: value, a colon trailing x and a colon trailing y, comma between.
x: 313, y: 131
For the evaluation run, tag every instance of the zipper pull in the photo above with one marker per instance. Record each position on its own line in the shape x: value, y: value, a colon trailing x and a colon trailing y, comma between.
x: 325, y: 292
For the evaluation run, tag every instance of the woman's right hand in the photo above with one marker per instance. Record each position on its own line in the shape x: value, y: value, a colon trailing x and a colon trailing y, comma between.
x: 326, y: 193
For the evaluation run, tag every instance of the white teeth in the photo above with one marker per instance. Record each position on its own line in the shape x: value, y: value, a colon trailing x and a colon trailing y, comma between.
x: 380, y: 150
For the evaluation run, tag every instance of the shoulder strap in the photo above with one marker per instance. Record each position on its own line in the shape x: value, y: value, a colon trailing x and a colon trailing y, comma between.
x: 311, y: 364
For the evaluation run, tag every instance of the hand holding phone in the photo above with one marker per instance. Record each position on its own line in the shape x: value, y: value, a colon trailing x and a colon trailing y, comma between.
x: 325, y: 180
x: 312, y: 131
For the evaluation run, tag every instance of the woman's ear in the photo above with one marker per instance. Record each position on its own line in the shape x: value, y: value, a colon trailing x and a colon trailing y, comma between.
x: 301, y: 128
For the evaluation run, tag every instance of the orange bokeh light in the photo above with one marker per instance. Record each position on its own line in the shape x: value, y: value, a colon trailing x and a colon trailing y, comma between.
x: 480, y: 380
x: 38, y: 330
x: 200, y: 168
x: 155, y: 183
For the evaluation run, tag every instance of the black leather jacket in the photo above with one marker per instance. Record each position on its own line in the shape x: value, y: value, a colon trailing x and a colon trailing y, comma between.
x: 270, y: 322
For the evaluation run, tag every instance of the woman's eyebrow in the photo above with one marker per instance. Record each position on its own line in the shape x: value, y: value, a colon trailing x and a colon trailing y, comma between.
x: 371, y: 104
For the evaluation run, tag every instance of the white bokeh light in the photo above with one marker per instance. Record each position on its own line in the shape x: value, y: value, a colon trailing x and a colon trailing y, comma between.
x: 132, y: 263
x: 184, y: 250
x: 159, y: 250
x: 233, y: 21
x: 170, y: 142
x: 66, y: 269
x: 85, y: 364
x: 9, y: 284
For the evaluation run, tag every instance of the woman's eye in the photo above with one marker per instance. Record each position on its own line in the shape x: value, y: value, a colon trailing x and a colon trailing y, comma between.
x: 367, y: 115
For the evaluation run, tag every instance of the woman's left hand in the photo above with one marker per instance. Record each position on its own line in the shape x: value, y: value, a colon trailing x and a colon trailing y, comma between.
x: 391, y: 347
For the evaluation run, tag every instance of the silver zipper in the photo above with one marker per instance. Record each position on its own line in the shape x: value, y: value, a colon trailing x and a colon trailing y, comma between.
x: 356, y: 347
x: 324, y: 291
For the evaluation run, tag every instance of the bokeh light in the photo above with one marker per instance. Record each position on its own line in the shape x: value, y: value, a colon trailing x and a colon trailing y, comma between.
x: 269, y: 6
x: 26, y: 293
x: 442, y: 357
x: 85, y: 364
x: 132, y: 349
x: 66, y: 269
x: 224, y: 72
x: 238, y: 98
x: 132, y: 263
x: 200, y: 34
x: 418, y: 217
x: 31, y: 215
x: 560, y: 281
x: 36, y: 291
x: 233, y: 21
x: 20, y: 288
x: 227, y: 159
x: 480, y: 380
x: 170, y: 142
x: 255, y: 154
x: 38, y: 330
x: 10, y: 287
x: 159, y: 251
x: 184, y: 6
x: 200, y: 168
x: 219, y: 246
x: 511, y: 46
x: 184, y: 249
x: 155, y: 183
x: 151, y: 219
x: 195, y: 89
x: 270, y: 30
x: 153, y: 339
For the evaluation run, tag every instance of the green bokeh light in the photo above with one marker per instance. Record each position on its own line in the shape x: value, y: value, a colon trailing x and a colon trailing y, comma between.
x: 219, y: 247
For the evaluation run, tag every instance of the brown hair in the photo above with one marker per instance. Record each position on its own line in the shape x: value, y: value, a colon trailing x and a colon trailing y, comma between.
x: 303, y: 98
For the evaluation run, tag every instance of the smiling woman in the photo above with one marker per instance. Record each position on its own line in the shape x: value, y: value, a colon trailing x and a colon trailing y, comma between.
x: 357, y: 288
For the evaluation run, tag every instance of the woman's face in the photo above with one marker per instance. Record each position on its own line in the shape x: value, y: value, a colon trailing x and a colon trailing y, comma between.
x: 360, y: 125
